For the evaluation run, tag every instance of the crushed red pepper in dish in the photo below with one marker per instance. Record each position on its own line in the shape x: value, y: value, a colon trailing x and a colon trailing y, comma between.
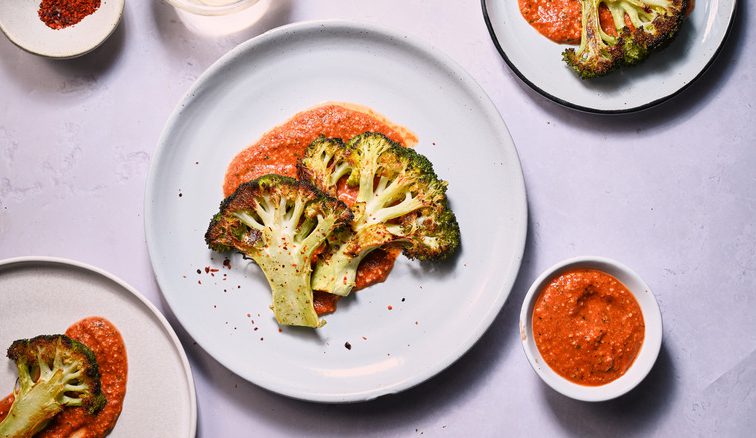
x: 588, y: 326
x: 57, y: 14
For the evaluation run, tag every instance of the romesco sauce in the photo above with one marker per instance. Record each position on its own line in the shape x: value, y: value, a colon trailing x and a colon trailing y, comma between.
x: 278, y: 150
x: 588, y: 326
x: 5, y: 405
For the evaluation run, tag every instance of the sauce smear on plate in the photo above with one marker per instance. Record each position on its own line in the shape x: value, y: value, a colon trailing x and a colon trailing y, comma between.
x: 279, y: 149
x: 588, y: 326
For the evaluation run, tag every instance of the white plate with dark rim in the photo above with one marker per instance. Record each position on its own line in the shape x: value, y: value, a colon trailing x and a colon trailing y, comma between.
x: 538, y: 61
x: 437, y: 313
x: 45, y: 295
x: 20, y: 22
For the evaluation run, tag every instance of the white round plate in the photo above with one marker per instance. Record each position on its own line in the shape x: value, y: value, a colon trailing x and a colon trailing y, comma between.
x: 437, y: 313
x: 538, y: 61
x: 20, y: 22
x: 45, y: 295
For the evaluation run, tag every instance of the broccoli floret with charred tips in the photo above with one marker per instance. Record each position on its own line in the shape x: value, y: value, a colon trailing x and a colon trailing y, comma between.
x: 326, y: 162
x: 54, y: 372
x: 400, y: 201
x: 279, y: 223
x: 654, y: 23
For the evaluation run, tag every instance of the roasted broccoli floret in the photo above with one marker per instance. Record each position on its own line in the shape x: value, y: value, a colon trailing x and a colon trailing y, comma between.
x: 400, y: 201
x: 54, y: 371
x: 326, y: 161
x: 652, y: 24
x: 279, y: 223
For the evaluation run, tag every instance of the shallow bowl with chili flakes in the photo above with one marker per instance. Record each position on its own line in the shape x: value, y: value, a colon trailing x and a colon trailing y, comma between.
x: 591, y: 328
x: 59, y: 29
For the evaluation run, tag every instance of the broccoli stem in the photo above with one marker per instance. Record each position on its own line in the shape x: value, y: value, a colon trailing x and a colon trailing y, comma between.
x: 292, y: 295
x: 338, y: 274
x: 32, y: 410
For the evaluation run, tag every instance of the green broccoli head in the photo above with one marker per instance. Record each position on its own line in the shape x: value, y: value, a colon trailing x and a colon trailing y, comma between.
x: 654, y: 23
x: 400, y: 201
x: 54, y: 371
x: 279, y: 223
x: 325, y: 162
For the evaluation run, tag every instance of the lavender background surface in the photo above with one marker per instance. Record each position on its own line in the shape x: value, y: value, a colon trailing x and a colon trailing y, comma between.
x: 671, y: 192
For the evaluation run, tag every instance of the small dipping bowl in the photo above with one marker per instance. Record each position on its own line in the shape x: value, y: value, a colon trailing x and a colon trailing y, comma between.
x: 647, y: 355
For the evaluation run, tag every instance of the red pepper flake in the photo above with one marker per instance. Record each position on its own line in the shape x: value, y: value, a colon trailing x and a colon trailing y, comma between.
x: 227, y: 263
x: 390, y: 307
x: 280, y: 330
x: 347, y: 345
x: 199, y: 281
x: 57, y: 14
x: 364, y: 338
x: 207, y: 269
x: 249, y: 315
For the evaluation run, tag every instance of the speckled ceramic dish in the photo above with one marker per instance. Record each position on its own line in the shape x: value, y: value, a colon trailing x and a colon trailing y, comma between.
x: 45, y: 295
x: 20, y: 22
x: 646, y: 356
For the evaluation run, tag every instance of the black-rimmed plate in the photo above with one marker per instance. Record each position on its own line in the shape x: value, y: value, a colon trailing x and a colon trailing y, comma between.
x: 538, y: 61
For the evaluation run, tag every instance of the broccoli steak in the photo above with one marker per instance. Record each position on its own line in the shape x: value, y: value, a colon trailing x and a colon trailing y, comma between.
x: 279, y: 223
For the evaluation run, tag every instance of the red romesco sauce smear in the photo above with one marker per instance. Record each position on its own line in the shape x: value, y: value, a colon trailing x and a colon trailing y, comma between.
x: 5, y: 405
x: 279, y: 149
x: 588, y: 326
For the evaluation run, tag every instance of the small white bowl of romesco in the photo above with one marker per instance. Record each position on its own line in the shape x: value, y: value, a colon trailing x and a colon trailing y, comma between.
x: 591, y: 328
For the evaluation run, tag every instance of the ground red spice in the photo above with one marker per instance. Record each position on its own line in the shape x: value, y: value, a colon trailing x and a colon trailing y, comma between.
x: 58, y: 14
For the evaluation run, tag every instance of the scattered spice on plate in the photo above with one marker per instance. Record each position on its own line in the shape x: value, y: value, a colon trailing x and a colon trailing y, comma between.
x: 347, y: 345
x: 57, y: 14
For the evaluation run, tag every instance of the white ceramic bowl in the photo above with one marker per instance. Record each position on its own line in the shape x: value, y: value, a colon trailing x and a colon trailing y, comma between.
x: 20, y: 22
x: 646, y: 356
